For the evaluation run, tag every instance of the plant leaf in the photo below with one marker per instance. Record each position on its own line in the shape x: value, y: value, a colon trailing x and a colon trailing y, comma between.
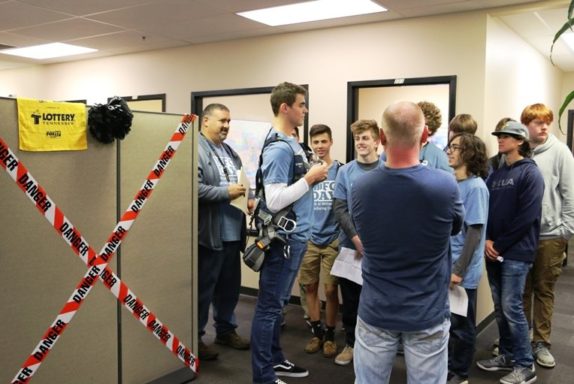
x: 565, y: 103
x: 570, y: 9
x: 564, y: 28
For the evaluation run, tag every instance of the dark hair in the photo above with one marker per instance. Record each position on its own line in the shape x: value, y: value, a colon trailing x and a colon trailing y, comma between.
x: 285, y: 93
x: 473, y: 154
x: 212, y: 107
x: 318, y: 129
x: 463, y: 123
x: 525, y: 150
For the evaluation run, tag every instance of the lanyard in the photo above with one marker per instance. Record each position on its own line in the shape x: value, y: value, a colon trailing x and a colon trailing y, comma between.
x: 214, y: 151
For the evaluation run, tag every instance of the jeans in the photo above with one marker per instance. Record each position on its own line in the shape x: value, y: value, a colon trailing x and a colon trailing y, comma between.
x: 350, y: 292
x: 462, y: 338
x: 506, y: 282
x: 539, y: 289
x: 425, y: 354
x: 219, y: 279
x: 275, y: 283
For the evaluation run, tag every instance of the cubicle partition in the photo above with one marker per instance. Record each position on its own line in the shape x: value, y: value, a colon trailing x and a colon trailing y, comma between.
x: 104, y: 343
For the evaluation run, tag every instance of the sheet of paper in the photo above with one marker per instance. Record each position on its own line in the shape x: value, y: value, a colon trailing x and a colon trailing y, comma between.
x: 241, y: 202
x: 346, y: 265
x: 458, y: 300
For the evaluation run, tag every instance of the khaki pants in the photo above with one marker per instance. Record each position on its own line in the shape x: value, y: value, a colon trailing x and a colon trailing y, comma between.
x: 539, y: 289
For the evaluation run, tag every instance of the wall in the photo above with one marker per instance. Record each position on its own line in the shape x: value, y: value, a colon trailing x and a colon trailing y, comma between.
x: 324, y: 59
x: 515, y: 78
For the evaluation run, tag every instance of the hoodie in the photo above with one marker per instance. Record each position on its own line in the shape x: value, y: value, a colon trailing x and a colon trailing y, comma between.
x: 556, y: 163
x: 514, y: 209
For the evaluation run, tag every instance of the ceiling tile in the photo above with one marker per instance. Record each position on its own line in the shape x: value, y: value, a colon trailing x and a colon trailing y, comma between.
x: 67, y: 30
x: 17, y: 15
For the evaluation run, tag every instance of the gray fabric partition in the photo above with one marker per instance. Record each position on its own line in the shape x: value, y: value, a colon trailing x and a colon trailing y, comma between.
x: 38, y: 271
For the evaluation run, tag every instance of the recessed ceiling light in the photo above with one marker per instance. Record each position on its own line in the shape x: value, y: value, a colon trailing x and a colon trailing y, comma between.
x: 312, y: 11
x: 47, y: 51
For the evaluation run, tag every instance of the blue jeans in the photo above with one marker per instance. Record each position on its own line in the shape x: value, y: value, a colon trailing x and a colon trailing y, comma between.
x: 462, y: 338
x: 425, y: 354
x: 506, y: 282
x: 219, y: 278
x: 275, y: 283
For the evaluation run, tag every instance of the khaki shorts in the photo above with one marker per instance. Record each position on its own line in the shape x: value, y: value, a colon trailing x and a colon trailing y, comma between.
x: 318, y: 262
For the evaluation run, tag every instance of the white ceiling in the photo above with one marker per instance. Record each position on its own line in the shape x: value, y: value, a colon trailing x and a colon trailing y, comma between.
x: 126, y: 26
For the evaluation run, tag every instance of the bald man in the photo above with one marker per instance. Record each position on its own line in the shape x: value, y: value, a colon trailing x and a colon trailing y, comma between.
x: 404, y: 213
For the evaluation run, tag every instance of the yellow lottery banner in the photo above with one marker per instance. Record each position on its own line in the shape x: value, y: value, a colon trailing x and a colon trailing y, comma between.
x: 51, y: 126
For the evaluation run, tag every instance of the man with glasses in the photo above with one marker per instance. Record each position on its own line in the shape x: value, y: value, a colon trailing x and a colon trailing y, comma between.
x: 467, y: 157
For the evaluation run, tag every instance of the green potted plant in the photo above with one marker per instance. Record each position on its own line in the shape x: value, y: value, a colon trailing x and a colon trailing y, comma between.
x: 567, y: 25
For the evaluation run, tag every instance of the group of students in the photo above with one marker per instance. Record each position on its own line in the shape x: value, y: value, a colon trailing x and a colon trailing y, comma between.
x: 417, y: 229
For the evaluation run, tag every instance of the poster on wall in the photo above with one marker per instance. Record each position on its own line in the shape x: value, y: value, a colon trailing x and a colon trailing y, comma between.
x: 246, y: 137
x: 51, y: 126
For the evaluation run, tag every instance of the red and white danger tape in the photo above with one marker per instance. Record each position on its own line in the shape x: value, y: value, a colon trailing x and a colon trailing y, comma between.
x: 98, y: 265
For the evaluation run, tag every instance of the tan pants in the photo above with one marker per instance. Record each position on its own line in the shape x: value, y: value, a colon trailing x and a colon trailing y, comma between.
x: 539, y: 289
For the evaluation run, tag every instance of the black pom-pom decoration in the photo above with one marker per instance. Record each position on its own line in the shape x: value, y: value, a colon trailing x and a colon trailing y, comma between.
x: 110, y: 121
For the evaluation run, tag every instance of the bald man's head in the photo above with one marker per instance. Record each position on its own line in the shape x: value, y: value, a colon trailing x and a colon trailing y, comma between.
x: 403, y: 124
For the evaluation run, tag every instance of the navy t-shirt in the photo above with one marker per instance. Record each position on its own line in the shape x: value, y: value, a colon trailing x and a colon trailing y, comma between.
x: 404, y: 218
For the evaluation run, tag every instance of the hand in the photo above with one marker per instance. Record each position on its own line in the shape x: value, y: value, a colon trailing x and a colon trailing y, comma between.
x: 236, y: 190
x: 358, y: 246
x: 489, y: 251
x: 455, y: 280
x: 250, y: 206
x: 316, y: 173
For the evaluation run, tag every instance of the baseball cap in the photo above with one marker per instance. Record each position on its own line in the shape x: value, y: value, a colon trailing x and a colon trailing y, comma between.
x: 513, y: 128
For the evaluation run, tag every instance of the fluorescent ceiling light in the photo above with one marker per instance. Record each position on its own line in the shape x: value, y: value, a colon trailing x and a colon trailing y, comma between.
x: 312, y: 11
x: 47, y: 51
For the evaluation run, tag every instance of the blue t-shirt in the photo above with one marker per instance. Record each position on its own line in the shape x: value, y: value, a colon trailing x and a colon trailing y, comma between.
x: 346, y: 177
x: 232, y: 218
x: 434, y: 157
x: 474, y: 195
x: 277, y: 168
x: 405, y: 218
x: 325, y: 227
x: 431, y: 156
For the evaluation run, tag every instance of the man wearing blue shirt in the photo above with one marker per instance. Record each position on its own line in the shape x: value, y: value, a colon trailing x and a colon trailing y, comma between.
x: 287, y: 181
x: 467, y: 156
x: 366, y: 141
x: 322, y: 250
x: 404, y: 213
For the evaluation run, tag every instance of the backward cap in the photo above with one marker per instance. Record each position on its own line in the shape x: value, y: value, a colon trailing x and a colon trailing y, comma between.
x: 513, y: 128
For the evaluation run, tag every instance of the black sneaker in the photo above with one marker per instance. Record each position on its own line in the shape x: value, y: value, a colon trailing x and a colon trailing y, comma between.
x: 498, y: 363
x: 287, y: 368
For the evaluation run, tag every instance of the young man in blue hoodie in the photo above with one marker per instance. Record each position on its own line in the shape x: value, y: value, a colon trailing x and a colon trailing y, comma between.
x: 555, y: 161
x: 516, y: 191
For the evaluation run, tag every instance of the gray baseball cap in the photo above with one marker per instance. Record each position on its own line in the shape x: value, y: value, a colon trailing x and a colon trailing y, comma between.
x: 513, y: 128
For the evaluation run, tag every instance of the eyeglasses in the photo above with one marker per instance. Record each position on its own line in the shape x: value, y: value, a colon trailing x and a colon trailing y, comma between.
x: 454, y: 147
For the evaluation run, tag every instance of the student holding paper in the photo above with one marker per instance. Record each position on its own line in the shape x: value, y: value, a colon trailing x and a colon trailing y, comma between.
x: 366, y: 137
x: 467, y: 156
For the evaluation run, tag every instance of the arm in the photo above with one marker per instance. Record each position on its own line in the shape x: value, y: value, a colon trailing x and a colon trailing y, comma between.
x: 345, y: 220
x: 566, y: 190
x: 471, y: 242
